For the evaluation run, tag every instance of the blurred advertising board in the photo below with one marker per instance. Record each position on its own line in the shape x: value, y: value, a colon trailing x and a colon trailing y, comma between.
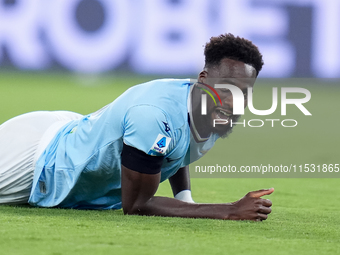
x: 298, y: 38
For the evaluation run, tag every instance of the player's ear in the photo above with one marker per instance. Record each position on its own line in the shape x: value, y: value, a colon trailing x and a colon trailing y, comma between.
x: 202, y: 77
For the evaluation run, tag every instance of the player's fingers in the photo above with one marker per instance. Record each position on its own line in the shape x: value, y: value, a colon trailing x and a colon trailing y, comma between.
x: 260, y: 193
x: 264, y: 210
x: 261, y: 217
x: 265, y: 202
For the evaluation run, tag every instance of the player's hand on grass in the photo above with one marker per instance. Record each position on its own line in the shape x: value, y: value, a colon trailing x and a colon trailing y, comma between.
x: 252, y: 206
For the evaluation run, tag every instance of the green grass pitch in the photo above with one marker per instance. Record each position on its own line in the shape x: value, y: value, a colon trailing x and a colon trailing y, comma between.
x: 305, y: 217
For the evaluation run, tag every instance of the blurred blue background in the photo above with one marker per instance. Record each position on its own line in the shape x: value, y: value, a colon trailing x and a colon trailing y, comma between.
x: 298, y: 38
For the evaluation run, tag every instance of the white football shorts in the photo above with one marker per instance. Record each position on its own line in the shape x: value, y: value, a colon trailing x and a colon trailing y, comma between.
x: 22, y: 140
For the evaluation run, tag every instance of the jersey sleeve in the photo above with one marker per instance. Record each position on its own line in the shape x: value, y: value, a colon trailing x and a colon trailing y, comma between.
x: 147, y: 129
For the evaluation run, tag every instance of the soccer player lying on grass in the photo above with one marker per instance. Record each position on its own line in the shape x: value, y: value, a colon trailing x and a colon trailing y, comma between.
x: 116, y: 157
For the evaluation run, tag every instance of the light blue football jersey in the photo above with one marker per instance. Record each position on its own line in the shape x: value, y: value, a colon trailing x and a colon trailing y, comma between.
x: 81, y: 167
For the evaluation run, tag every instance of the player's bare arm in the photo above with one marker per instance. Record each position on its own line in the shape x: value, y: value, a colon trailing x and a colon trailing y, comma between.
x: 138, y: 190
x: 180, y: 181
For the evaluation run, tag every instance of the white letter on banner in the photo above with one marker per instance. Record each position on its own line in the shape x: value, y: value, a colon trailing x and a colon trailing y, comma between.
x: 241, y: 18
x: 78, y: 50
x: 326, y: 39
x: 172, y: 36
x: 19, y: 27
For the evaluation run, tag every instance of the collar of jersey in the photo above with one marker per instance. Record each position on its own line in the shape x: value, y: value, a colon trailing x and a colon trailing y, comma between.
x: 191, y: 120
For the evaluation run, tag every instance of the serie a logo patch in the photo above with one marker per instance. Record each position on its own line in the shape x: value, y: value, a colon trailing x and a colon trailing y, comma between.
x: 160, y: 145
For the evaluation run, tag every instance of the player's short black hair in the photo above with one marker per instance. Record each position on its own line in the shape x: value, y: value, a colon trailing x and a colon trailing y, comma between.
x: 235, y: 48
